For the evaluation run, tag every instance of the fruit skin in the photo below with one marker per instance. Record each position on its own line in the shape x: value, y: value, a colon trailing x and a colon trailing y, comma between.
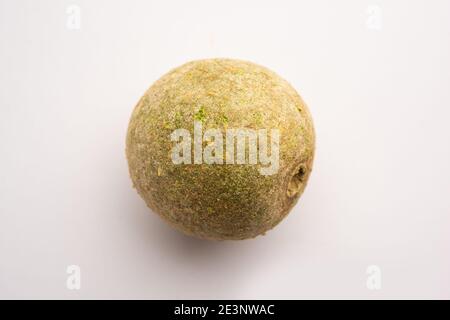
x: 219, y: 201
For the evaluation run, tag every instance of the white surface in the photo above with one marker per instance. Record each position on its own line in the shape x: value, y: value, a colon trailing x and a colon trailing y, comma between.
x: 378, y: 195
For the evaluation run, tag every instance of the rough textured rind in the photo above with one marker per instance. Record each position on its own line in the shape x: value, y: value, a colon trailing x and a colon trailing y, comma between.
x: 214, y: 201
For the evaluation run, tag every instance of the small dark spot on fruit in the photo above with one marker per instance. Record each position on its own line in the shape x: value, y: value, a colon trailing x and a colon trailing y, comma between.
x: 296, y: 182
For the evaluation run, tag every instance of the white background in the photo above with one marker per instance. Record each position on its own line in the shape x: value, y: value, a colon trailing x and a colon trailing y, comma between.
x: 375, y: 74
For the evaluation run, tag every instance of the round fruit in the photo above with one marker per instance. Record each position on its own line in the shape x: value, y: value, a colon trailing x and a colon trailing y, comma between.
x: 220, y: 148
